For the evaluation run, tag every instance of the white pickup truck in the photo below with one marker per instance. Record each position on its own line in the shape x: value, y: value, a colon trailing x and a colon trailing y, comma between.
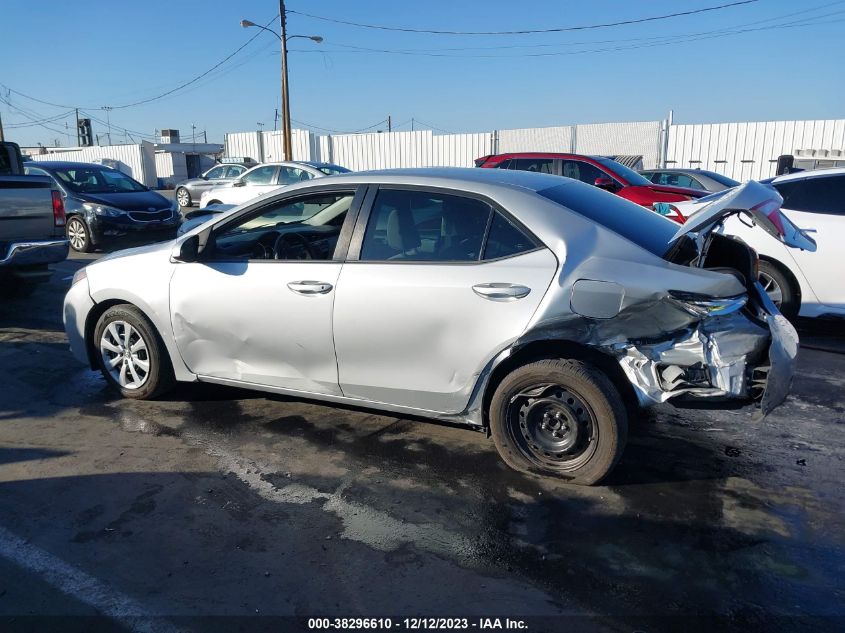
x: 32, y: 225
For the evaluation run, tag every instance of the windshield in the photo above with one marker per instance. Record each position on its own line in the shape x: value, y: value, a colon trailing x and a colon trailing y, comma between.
x: 645, y: 228
x: 332, y: 170
x: 722, y: 180
x: 94, y: 179
x: 627, y: 173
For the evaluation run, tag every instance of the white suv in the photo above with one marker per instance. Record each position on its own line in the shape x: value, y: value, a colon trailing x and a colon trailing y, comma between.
x: 800, y: 282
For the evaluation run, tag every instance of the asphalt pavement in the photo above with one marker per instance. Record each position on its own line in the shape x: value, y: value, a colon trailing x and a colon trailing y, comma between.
x: 217, y: 509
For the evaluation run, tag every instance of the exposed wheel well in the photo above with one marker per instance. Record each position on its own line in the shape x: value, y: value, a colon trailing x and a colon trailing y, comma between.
x: 549, y: 349
x: 213, y: 202
x: 784, y: 269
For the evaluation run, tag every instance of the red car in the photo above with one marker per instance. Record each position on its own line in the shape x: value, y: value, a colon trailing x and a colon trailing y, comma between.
x: 601, y: 172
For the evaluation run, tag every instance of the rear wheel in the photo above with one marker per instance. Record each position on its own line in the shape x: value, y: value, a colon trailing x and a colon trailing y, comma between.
x: 132, y: 356
x: 780, y: 288
x: 78, y: 235
x: 559, y: 417
x: 183, y: 197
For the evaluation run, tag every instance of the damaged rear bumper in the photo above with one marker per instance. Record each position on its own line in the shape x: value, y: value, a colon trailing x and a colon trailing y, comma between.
x: 734, y: 356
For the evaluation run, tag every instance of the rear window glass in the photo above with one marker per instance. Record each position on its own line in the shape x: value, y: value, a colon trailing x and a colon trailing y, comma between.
x: 633, y: 222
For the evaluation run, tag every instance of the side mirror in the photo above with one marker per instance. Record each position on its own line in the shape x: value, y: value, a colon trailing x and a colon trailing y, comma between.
x: 238, y: 183
x: 188, y: 250
x: 603, y: 182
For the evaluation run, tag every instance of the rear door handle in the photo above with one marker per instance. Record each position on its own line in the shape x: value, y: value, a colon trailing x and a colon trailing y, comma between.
x: 501, y: 291
x: 310, y: 287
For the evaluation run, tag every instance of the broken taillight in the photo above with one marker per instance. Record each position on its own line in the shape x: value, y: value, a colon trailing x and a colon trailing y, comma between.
x: 706, y: 306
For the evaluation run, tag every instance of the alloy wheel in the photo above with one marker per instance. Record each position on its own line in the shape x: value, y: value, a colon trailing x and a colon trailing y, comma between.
x: 76, y: 234
x: 183, y: 198
x: 772, y: 288
x: 553, y: 427
x: 125, y: 354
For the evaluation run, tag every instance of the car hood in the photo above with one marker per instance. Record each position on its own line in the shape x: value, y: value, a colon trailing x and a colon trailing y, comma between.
x: 129, y: 201
x: 761, y: 202
x: 138, y: 250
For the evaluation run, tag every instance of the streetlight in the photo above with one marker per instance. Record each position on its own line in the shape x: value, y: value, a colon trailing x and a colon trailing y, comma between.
x: 287, y: 144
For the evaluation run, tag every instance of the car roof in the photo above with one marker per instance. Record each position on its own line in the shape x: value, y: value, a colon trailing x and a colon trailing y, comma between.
x: 811, y: 173
x: 63, y: 164
x: 453, y: 177
x: 546, y: 155
x: 680, y: 170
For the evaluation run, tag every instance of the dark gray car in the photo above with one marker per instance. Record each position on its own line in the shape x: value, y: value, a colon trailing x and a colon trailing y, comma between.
x: 690, y: 178
x: 189, y: 191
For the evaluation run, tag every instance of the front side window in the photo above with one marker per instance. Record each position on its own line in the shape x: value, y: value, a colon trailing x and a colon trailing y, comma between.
x: 306, y: 228
x: 233, y: 171
x: 215, y: 173
x: 814, y: 195
x: 585, y: 172
x: 540, y: 165
x: 423, y: 226
x: 260, y: 175
x: 291, y: 175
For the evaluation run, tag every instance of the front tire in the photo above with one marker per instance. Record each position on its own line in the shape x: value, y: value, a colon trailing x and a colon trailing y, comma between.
x: 132, y: 357
x: 559, y: 417
x: 780, y: 288
x: 183, y: 197
x: 79, y: 235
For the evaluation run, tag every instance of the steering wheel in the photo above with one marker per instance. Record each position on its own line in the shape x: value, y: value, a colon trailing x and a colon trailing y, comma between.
x: 292, y: 246
x: 264, y: 247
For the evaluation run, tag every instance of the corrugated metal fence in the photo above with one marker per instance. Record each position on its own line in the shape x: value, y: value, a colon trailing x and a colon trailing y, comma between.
x: 137, y: 161
x: 749, y: 150
x: 739, y: 150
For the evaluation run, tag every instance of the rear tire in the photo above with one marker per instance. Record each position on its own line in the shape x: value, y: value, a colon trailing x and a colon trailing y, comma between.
x: 559, y: 417
x: 131, y: 355
x: 780, y: 288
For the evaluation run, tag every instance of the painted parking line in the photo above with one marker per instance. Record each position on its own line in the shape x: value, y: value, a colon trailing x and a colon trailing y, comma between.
x: 82, y: 586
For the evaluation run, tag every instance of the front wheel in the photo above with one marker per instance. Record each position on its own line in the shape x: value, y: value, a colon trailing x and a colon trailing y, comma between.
x: 132, y: 357
x: 559, y: 417
x: 78, y: 235
x: 183, y: 197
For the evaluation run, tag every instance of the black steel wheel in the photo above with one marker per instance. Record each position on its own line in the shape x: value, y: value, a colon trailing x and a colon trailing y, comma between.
x: 559, y: 417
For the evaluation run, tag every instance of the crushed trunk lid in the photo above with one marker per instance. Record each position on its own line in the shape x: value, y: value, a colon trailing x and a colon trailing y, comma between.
x: 759, y: 201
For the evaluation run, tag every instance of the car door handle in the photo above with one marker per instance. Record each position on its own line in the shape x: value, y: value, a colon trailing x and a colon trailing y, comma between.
x: 501, y: 291
x: 310, y: 287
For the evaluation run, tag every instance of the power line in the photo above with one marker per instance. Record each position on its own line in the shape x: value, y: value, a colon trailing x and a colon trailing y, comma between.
x: 560, y: 29
x: 664, y: 42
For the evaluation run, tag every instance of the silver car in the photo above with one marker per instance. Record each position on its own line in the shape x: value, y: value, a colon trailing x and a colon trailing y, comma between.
x: 690, y: 178
x: 189, y: 191
x: 531, y: 306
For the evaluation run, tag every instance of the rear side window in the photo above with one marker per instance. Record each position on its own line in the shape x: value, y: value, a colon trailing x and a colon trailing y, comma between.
x: 585, y: 172
x: 422, y: 226
x: 504, y: 239
x: 814, y: 195
x: 540, y: 165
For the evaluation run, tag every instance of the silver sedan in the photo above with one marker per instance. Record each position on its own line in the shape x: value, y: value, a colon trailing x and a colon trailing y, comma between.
x: 533, y: 306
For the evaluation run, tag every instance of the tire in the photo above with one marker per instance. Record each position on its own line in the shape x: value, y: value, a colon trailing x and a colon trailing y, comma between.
x: 537, y: 427
x: 79, y: 235
x: 128, y: 374
x: 183, y: 197
x: 780, y: 288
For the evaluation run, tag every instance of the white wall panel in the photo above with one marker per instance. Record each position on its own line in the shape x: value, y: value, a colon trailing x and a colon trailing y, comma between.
x: 541, y: 139
x: 137, y: 161
x: 637, y: 138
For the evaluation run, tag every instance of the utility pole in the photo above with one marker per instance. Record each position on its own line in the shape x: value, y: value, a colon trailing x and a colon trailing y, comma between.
x: 286, y: 132
x: 276, y: 119
x: 108, y: 121
x: 412, y: 124
x: 204, y: 137
x: 389, y: 124
x: 78, y: 140
x: 2, y: 138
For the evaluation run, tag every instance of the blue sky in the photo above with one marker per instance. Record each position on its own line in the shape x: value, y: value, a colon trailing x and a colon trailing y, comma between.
x: 95, y: 53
